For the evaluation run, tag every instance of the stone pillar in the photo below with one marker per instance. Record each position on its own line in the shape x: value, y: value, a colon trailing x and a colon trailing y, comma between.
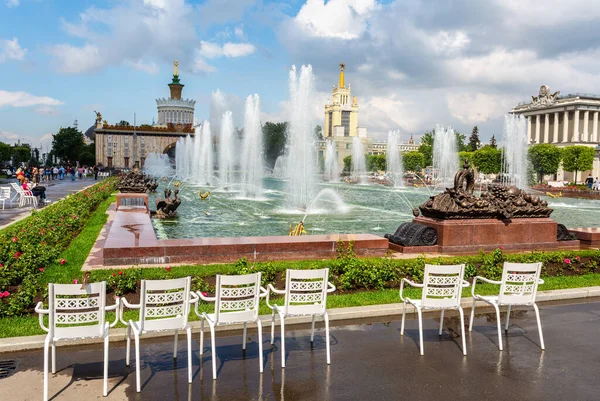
x: 565, y: 137
x: 529, y: 133
x: 586, y: 133
x: 595, y: 128
x: 575, y: 126
x: 546, y: 127
x: 555, y: 134
x: 537, y: 128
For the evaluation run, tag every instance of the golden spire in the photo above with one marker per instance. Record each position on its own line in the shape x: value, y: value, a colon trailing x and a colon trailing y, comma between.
x: 176, y: 68
x: 342, y: 66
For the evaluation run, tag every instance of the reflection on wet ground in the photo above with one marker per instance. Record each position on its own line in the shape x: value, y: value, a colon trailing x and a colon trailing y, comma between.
x: 370, y: 361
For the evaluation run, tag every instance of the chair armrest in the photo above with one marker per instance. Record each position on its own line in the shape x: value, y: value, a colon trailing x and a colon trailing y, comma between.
x: 487, y: 280
x: 193, y: 298
x: 263, y: 292
x: 330, y: 287
x: 41, y: 312
x: 204, y: 298
x: 123, y: 303
x: 411, y: 283
x: 274, y: 290
x: 540, y: 281
x: 117, y: 307
x: 465, y: 284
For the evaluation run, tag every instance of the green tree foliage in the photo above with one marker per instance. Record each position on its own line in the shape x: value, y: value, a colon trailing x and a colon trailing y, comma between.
x: 488, y: 160
x: 68, y: 145
x: 20, y: 154
x: 375, y: 163
x: 274, y: 137
x: 578, y: 158
x: 460, y: 142
x: 4, y: 152
x: 462, y: 156
x: 347, y: 164
x: 88, y: 155
x: 426, y: 148
x: 413, y: 161
x: 123, y: 123
x: 493, y: 143
x: 545, y: 159
x: 474, y: 142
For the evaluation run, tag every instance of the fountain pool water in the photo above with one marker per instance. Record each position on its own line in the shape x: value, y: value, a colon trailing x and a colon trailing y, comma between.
x: 514, y: 155
x: 332, y: 168
x: 445, y: 155
x: 393, y: 159
x: 359, y: 166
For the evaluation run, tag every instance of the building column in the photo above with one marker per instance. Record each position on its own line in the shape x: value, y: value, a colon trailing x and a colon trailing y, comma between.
x: 565, y: 137
x: 537, y: 128
x: 575, y: 126
x: 555, y: 134
x: 586, y: 133
x: 595, y: 128
x: 529, y: 133
x: 546, y: 127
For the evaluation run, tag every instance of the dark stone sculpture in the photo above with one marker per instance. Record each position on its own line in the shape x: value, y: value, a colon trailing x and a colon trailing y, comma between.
x: 501, y: 202
x: 413, y: 234
x: 167, y: 207
x: 563, y: 234
x: 137, y: 182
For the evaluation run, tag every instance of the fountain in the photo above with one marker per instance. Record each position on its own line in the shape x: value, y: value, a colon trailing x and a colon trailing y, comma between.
x: 445, y: 155
x: 203, y: 155
x: 157, y: 165
x: 251, y: 158
x: 301, y: 142
x: 393, y: 159
x: 226, y: 149
x: 279, y: 167
x: 332, y: 168
x: 514, y: 155
x: 359, y: 167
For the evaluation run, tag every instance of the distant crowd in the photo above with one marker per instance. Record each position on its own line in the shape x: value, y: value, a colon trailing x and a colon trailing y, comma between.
x: 42, y: 174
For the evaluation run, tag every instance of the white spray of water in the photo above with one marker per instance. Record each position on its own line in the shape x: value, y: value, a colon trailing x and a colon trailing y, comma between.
x: 157, y: 165
x: 226, y: 149
x: 393, y: 159
x: 279, y: 170
x: 332, y: 168
x: 252, y: 158
x: 514, y: 155
x: 359, y: 166
x: 445, y: 155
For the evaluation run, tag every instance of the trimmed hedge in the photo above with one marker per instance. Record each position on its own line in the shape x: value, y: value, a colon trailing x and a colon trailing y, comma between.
x: 34, y: 243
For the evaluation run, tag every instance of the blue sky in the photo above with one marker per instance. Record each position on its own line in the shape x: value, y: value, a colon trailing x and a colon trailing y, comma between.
x: 411, y: 63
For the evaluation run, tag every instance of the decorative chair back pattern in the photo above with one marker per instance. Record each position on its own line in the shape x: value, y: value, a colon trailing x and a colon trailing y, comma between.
x: 442, y: 286
x: 76, y: 312
x: 164, y: 304
x: 237, y: 298
x: 305, y: 291
x: 519, y: 283
x: 4, y: 192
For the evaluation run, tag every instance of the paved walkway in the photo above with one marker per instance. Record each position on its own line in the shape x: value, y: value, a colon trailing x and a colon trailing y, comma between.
x: 55, y: 190
x: 370, y: 361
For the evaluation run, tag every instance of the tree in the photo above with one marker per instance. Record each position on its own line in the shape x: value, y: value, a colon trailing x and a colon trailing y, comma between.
x: 493, y: 143
x: 4, y: 152
x: 123, y: 123
x: 426, y: 148
x: 474, y: 142
x: 544, y: 158
x: 347, y: 164
x: 68, y: 144
x: 375, y: 162
x: 88, y: 156
x: 20, y: 154
x: 413, y: 161
x: 460, y: 142
x: 578, y: 158
x: 462, y: 156
x: 487, y: 160
x: 274, y: 138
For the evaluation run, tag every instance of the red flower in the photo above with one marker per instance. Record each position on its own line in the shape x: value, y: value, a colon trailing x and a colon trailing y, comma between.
x: 18, y: 255
x: 120, y: 273
x: 75, y: 281
x: 168, y: 268
x: 501, y: 248
x: 204, y: 294
x: 577, y: 258
x: 114, y: 274
x: 43, y: 242
x: 15, y: 239
x: 6, y: 294
x: 567, y: 261
x: 63, y: 261
x: 42, y: 269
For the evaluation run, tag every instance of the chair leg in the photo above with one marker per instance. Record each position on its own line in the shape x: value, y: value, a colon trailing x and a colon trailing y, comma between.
x: 282, y: 341
x: 539, y: 323
x: 462, y: 329
x: 312, y: 330
x: 201, y: 337
x: 213, y: 351
x: 499, y: 327
x: 53, y: 357
x: 189, y: 352
x: 260, y: 345
x: 441, y: 323
x: 327, y: 346
x: 273, y: 328
x: 472, y: 316
x: 175, y: 344
x: 137, y: 361
x: 46, y: 346
x: 128, y: 348
x: 245, y: 336
x: 420, y: 330
x: 105, y: 388
x: 507, y: 319
x: 403, y: 318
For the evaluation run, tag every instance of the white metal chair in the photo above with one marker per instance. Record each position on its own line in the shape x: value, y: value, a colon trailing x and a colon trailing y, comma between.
x: 518, y: 287
x: 236, y: 301
x: 305, y: 295
x: 442, y: 289
x: 75, y: 312
x: 4, y: 195
x: 25, y: 197
x: 164, y: 306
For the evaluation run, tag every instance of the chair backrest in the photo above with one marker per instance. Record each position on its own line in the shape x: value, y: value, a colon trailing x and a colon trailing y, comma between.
x: 237, y: 298
x: 17, y: 187
x: 306, y: 291
x: 164, y: 304
x: 442, y: 286
x: 76, y: 312
x: 519, y: 283
x: 4, y: 192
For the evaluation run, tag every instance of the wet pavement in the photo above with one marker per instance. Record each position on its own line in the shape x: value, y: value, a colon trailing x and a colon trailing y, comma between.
x: 368, y: 362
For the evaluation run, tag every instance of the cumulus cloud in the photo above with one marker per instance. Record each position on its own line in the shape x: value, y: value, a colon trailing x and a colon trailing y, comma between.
x: 343, y: 19
x: 214, y: 50
x: 12, y: 3
x: 24, y: 99
x: 11, y: 50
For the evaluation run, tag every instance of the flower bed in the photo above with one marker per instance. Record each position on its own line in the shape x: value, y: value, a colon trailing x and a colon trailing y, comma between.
x: 31, y: 245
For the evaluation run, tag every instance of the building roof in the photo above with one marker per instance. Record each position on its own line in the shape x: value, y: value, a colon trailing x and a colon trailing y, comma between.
x: 90, y: 132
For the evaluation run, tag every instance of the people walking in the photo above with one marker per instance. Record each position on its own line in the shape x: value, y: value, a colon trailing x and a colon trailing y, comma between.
x: 61, y: 172
x: 72, y: 172
x: 55, y: 173
x: 95, y: 172
x: 80, y: 172
x: 589, y: 181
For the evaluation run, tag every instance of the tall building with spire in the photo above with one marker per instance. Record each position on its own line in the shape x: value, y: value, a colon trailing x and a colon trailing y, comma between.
x: 341, y: 115
x: 174, y: 109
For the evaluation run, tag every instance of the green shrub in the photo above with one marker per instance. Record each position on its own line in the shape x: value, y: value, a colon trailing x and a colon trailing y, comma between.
x: 124, y: 281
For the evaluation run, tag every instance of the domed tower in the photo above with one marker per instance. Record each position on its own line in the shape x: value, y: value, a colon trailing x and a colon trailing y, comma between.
x: 175, y: 110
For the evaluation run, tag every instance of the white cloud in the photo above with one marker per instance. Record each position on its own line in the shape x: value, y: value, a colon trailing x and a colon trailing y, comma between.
x: 474, y: 108
x: 11, y: 50
x: 150, y: 68
x: 12, y: 138
x: 343, y: 19
x: 75, y: 60
x: 47, y: 110
x: 212, y: 50
x: 200, y: 66
x: 24, y: 99
x: 239, y: 32
x: 12, y: 3
x: 445, y: 42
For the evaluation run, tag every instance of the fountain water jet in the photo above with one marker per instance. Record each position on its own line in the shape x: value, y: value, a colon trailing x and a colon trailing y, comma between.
x: 157, y: 165
x: 332, y: 168
x: 279, y: 170
x: 445, y: 155
x: 252, y: 159
x: 514, y: 155
x: 359, y: 166
x: 226, y: 149
x: 393, y: 159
